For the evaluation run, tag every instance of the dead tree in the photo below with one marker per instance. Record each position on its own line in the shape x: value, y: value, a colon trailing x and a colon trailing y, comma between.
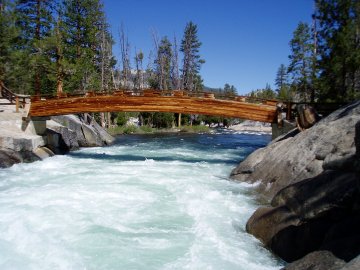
x: 125, y: 57
x: 175, y: 66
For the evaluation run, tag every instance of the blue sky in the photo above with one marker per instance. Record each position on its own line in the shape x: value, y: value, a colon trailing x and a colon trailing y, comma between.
x: 243, y: 41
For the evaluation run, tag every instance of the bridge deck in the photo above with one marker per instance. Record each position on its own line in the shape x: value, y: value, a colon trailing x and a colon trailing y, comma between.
x: 175, y: 104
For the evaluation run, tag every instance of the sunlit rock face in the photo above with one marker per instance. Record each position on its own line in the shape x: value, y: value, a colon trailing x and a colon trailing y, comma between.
x: 61, y: 135
x: 318, y: 212
x: 288, y: 159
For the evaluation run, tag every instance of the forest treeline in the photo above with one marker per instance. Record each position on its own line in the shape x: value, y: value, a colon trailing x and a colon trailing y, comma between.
x: 324, y: 64
x: 66, y: 46
x: 55, y: 46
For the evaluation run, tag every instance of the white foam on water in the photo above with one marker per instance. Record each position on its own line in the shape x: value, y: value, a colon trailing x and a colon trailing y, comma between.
x: 130, y: 206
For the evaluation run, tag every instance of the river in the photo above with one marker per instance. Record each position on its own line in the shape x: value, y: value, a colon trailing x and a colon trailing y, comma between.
x: 146, y: 202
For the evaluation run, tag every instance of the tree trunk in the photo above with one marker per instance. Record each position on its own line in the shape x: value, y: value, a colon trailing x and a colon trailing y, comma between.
x: 108, y: 116
x: 37, y: 37
x: 102, y: 120
x: 59, y: 86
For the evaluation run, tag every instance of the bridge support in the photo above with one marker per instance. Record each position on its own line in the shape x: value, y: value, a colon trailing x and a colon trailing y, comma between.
x: 285, y: 127
x: 37, y: 125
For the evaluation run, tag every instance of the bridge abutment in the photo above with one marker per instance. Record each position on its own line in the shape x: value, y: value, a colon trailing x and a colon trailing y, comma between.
x: 35, y: 125
x: 285, y: 127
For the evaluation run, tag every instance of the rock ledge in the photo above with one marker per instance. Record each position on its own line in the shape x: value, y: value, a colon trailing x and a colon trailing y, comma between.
x: 312, y: 182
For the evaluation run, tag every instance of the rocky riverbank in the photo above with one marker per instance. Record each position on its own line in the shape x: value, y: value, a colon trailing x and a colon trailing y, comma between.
x: 20, y: 140
x: 312, y: 182
x: 252, y: 126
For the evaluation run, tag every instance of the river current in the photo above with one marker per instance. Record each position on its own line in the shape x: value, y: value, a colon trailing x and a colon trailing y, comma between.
x: 146, y: 202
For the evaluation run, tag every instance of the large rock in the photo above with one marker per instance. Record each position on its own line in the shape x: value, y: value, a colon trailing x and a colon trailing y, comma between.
x: 318, y: 260
x: 9, y: 157
x: 313, y: 178
x: 357, y: 139
x: 43, y: 152
x: 318, y: 213
x: 353, y: 264
x: 19, y: 141
x: 17, y: 144
x: 299, y: 156
x: 323, y: 260
x: 88, y: 132
x: 60, y: 139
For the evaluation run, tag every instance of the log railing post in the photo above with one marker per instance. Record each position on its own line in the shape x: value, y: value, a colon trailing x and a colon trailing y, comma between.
x: 288, y: 114
x: 17, y: 103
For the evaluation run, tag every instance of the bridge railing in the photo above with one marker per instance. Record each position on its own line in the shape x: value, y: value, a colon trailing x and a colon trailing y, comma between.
x: 17, y: 99
x: 159, y: 93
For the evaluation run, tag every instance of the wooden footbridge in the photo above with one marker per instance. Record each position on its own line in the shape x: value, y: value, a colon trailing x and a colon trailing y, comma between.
x: 154, y: 101
x: 176, y: 101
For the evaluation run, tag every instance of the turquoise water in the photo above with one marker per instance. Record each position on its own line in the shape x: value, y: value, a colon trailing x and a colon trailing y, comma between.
x: 147, y: 202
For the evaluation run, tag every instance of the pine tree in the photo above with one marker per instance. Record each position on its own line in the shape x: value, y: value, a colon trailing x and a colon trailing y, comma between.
x: 229, y: 91
x: 198, y: 83
x: 301, y: 60
x: 281, y: 77
x: 281, y: 81
x: 163, y: 64
x: 61, y: 63
x: 8, y: 34
x: 35, y: 21
x: 226, y: 89
x: 191, y: 59
x: 106, y: 60
x: 233, y: 90
x: 339, y: 49
x: 125, y: 58
x: 54, y: 61
x: 175, y: 66
x: 83, y: 21
x: 265, y: 93
x: 139, y: 78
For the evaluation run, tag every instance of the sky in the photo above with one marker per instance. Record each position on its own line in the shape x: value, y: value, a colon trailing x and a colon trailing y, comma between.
x: 243, y: 41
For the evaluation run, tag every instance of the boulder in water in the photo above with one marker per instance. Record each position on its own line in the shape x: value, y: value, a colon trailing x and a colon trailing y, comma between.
x: 313, y: 179
x: 318, y: 260
x: 293, y: 158
x: 69, y: 132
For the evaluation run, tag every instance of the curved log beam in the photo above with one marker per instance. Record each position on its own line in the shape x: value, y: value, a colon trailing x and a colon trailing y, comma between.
x: 191, y: 105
